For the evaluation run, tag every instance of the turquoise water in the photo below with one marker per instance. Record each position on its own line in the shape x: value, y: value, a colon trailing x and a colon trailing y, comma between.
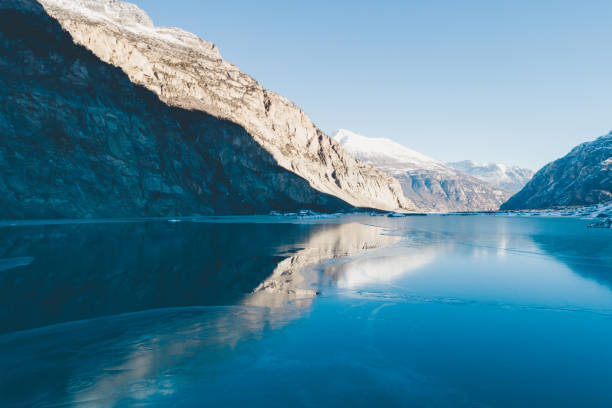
x: 437, y: 311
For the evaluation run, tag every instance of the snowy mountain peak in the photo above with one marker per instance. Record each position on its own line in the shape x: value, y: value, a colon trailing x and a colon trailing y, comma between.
x: 130, y: 18
x: 429, y: 183
x: 114, y: 10
x: 384, y: 151
x: 510, y: 178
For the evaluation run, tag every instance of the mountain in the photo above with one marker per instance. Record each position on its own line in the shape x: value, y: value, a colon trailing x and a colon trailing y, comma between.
x: 104, y: 115
x: 429, y: 183
x: 509, y: 178
x: 187, y: 72
x: 582, y: 177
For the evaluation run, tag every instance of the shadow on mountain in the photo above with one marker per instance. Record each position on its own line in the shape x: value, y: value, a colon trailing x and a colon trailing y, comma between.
x: 79, y: 139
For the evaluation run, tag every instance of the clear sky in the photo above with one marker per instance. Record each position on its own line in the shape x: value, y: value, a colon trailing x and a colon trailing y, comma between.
x: 519, y: 81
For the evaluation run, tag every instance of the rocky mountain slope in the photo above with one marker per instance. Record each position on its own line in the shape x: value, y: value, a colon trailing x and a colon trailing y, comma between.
x: 79, y: 139
x: 187, y: 72
x: 429, y: 183
x: 582, y: 177
x: 509, y: 178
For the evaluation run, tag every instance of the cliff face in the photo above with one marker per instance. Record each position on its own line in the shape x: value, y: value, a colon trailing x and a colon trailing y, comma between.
x: 448, y: 192
x: 429, y: 183
x: 79, y: 139
x: 187, y: 72
x: 582, y: 177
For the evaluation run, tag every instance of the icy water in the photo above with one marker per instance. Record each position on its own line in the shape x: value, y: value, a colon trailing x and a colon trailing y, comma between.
x: 356, y: 311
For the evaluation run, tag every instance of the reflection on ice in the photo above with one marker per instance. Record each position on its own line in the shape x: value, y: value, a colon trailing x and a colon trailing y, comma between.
x: 378, y: 269
x: 143, y: 355
x: 166, y: 306
x: 10, y: 263
x: 333, y: 241
x: 136, y: 356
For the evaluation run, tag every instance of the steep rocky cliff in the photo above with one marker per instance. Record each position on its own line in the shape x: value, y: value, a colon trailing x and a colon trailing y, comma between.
x: 79, y: 139
x: 582, y: 177
x: 429, y: 183
x: 187, y: 72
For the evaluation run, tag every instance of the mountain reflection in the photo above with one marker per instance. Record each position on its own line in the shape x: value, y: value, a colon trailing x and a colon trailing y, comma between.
x: 380, y: 269
x: 587, y: 252
x: 81, y: 271
x: 287, y: 281
x: 150, y: 308
x: 206, y: 286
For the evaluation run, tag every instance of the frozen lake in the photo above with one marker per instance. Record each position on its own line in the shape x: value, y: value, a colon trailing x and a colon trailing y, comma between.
x: 356, y: 311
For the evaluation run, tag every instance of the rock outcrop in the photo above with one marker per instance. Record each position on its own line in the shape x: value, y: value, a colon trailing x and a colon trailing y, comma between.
x: 79, y: 139
x: 509, y: 178
x: 187, y: 72
x: 582, y: 177
x: 429, y: 183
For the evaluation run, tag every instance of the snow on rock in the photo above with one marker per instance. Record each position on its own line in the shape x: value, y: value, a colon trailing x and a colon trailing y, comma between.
x: 601, y: 214
x: 429, y: 183
x: 605, y: 223
x: 387, y: 153
x: 602, y: 211
x: 509, y: 178
x: 187, y: 72
x: 131, y: 18
x: 582, y: 177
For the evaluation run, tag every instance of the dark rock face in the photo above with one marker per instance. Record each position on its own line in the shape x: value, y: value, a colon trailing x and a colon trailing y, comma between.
x: 605, y: 223
x: 582, y: 177
x: 79, y: 139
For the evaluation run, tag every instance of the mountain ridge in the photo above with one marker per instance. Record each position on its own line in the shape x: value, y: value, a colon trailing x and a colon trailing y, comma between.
x: 81, y: 140
x: 509, y: 178
x: 195, y: 77
x: 581, y: 177
x: 429, y: 183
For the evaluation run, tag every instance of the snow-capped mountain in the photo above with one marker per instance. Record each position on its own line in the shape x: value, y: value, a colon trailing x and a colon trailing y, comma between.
x: 386, y: 152
x: 509, y: 178
x: 431, y: 184
x: 582, y: 177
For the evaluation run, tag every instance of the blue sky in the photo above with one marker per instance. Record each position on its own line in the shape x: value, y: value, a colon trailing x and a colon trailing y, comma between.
x: 519, y: 82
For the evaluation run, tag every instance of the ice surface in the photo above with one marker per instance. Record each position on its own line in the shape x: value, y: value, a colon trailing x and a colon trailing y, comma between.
x: 11, y: 263
x: 416, y: 322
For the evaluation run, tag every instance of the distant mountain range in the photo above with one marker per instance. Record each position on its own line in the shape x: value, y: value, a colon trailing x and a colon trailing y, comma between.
x: 582, y: 177
x: 509, y: 178
x: 431, y: 184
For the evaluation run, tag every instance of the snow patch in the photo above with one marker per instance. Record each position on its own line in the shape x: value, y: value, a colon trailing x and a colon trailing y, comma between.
x: 602, y: 211
x: 129, y: 17
x: 386, y: 153
x: 510, y: 178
